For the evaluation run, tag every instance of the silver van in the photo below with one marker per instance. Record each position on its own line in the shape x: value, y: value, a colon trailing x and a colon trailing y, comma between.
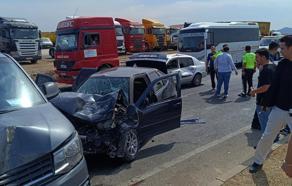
x: 38, y: 145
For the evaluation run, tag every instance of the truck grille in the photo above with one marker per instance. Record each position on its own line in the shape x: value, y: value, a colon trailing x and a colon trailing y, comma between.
x: 160, y: 40
x: 37, y: 172
x: 64, y: 65
x: 138, y: 44
x: 25, y: 48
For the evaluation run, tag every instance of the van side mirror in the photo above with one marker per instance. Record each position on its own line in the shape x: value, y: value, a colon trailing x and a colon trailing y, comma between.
x: 50, y: 89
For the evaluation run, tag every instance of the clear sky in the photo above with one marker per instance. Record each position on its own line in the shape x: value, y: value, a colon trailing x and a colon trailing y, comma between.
x: 47, y: 13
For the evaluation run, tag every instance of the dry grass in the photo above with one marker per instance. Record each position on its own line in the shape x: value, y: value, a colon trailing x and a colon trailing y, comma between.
x: 271, y: 174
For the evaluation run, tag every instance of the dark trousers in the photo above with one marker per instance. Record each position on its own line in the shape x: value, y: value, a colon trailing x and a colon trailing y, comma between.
x: 247, y: 80
x: 213, y: 74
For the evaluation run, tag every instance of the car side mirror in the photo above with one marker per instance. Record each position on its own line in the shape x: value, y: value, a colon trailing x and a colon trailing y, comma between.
x: 42, y: 79
x: 132, y: 113
x: 50, y: 89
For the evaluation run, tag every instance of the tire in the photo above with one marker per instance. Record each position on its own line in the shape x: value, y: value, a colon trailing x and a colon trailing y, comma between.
x: 130, y: 145
x: 104, y: 67
x: 197, y: 80
x: 52, y: 52
x: 34, y: 61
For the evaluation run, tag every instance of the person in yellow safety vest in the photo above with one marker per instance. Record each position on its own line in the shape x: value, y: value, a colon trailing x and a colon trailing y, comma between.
x: 248, y: 69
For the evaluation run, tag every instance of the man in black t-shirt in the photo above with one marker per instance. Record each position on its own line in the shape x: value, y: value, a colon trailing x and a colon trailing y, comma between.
x: 264, y: 82
x: 279, y: 97
x: 210, y: 66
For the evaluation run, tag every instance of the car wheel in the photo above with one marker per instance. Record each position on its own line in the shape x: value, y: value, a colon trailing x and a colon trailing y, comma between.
x: 197, y: 80
x: 131, y: 145
x: 52, y: 52
x: 34, y: 61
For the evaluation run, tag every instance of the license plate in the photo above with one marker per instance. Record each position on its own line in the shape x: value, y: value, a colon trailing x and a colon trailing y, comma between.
x: 63, y: 66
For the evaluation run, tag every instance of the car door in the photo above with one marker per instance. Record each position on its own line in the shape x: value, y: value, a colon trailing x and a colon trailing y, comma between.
x: 187, y: 69
x: 160, y: 106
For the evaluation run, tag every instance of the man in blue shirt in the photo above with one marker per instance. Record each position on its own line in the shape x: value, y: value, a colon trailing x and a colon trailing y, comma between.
x: 224, y: 65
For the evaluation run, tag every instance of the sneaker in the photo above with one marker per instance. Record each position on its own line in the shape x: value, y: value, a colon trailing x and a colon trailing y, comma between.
x: 242, y: 94
x: 225, y: 96
x: 253, y: 168
x: 217, y: 95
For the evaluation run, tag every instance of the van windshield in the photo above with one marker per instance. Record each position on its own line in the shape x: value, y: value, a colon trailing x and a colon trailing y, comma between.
x: 66, y: 42
x: 267, y: 41
x: 17, y: 91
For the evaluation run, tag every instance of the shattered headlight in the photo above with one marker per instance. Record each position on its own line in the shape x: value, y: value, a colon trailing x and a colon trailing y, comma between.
x: 68, y: 156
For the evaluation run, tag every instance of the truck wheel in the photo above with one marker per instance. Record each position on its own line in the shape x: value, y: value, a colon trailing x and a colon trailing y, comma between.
x: 130, y: 145
x: 197, y: 80
x: 34, y: 61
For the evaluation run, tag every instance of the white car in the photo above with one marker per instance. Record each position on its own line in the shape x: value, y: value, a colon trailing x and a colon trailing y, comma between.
x: 190, y: 69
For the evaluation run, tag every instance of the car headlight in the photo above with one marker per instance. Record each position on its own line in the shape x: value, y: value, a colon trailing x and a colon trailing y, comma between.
x: 68, y: 156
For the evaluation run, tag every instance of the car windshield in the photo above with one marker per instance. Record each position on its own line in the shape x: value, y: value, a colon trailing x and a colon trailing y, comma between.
x: 66, y: 42
x: 191, y: 42
x: 137, y: 30
x: 158, y: 31
x: 17, y: 91
x: 105, y: 85
x: 24, y: 33
x: 267, y: 41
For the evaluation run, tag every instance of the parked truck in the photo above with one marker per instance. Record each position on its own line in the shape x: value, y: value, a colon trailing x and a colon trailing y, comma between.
x: 20, y: 39
x: 120, y: 38
x: 84, y: 42
x: 155, y: 35
x: 134, y: 35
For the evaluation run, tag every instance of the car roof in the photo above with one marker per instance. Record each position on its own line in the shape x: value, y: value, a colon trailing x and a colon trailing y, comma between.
x: 161, y: 57
x: 2, y: 55
x: 124, y: 72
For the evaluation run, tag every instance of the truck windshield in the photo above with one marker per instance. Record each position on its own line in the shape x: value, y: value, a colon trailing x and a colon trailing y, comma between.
x: 24, y: 33
x: 119, y: 31
x: 105, y: 85
x: 17, y: 91
x: 158, y: 31
x: 191, y: 42
x: 66, y: 42
x: 136, y: 31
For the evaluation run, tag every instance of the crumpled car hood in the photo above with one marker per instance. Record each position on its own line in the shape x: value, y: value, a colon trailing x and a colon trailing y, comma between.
x: 90, y: 108
x: 30, y: 133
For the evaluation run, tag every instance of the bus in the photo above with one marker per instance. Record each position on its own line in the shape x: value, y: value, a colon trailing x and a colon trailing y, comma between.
x: 197, y: 39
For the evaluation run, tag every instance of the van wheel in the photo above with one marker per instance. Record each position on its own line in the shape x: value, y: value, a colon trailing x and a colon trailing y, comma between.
x: 34, y: 61
x: 130, y: 145
x: 197, y: 80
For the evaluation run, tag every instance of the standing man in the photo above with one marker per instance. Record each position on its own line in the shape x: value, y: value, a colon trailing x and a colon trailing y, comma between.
x: 248, y: 69
x: 279, y: 97
x: 224, y: 65
x: 274, y: 53
x: 210, y: 66
x: 264, y: 82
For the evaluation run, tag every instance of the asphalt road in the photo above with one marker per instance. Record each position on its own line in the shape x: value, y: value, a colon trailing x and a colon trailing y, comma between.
x: 198, y: 153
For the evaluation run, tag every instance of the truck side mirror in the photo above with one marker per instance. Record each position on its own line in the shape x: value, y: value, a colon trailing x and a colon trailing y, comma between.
x: 50, y: 89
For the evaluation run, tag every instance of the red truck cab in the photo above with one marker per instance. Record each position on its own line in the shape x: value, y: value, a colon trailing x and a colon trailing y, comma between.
x: 134, y: 35
x: 84, y: 42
